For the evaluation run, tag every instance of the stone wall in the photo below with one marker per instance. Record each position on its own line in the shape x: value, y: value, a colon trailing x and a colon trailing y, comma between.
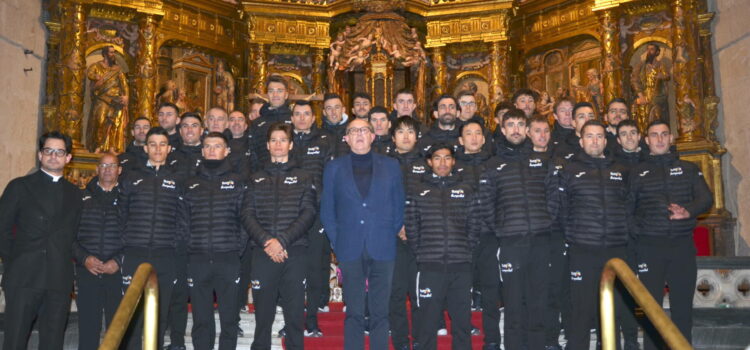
x: 21, y: 92
x: 732, y: 62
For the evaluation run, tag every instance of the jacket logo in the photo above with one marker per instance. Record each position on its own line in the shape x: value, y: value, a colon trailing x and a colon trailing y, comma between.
x: 227, y: 185
x: 248, y: 153
x: 614, y: 175
x: 126, y: 279
x: 535, y: 163
x: 642, y: 268
x: 501, y: 166
x: 173, y: 162
x: 255, y: 284
x: 262, y: 123
x: 417, y: 169
x: 124, y: 161
x: 644, y: 173
x: 168, y: 184
x: 506, y: 267
x: 193, y: 186
x: 425, y: 293
x: 576, y: 276
x: 569, y: 155
x: 313, y: 150
x: 427, y: 148
x: 459, y: 170
x: 675, y: 171
x: 190, y: 282
x: 85, y: 198
x: 259, y: 180
x: 237, y: 281
x: 581, y: 174
x: 290, y: 180
x: 323, y: 136
x: 459, y: 193
x: 136, y: 182
x: 424, y: 193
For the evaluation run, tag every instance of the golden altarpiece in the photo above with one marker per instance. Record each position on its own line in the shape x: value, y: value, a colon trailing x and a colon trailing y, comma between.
x: 111, y: 61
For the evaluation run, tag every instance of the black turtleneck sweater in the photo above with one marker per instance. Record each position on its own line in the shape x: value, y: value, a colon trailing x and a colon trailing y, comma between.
x: 362, y: 169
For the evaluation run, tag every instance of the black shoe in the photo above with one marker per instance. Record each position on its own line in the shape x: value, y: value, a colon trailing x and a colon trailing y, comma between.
x: 476, y: 301
x: 282, y: 332
x: 553, y: 347
x: 491, y: 346
x: 174, y: 347
x: 415, y: 346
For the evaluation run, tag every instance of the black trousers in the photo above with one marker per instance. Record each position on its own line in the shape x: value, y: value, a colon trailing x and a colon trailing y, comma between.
x: 98, y: 295
x: 558, y: 311
x: 487, y: 279
x: 402, y: 286
x: 317, y: 274
x: 626, y: 320
x: 586, y: 264
x: 524, y: 266
x: 245, y: 269
x: 670, y: 261
x: 23, y: 306
x: 449, y: 288
x: 178, y: 308
x: 163, y: 261
x: 206, y: 275
x: 270, y: 281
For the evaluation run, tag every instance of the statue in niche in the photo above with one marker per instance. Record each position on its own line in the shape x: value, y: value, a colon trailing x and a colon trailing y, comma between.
x: 483, y: 109
x: 546, y: 103
x: 649, y: 80
x: 167, y: 93
x: 224, y: 87
x: 109, y: 111
x: 579, y: 91
x: 182, y: 101
x: 594, y: 90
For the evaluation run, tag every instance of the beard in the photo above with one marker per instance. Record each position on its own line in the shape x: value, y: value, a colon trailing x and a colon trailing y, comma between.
x: 651, y: 57
x: 447, y: 119
x: 111, y: 61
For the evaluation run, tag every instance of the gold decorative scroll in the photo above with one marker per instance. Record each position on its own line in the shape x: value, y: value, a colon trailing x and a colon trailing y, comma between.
x: 269, y: 30
x: 499, y: 84
x: 258, y: 68
x: 611, y: 60
x: 685, y: 70
x: 146, y: 72
x: 73, y: 67
x: 438, y: 62
x: 465, y: 29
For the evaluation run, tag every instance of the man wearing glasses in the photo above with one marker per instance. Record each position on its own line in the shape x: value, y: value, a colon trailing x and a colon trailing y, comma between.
x: 362, y: 211
x: 39, y: 215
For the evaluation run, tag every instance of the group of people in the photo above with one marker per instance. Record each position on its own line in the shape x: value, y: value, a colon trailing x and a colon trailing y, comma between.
x: 450, y: 216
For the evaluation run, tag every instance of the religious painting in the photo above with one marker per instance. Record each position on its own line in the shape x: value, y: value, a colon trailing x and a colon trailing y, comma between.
x: 193, y: 73
x: 651, y: 81
x: 106, y: 99
x: 480, y: 87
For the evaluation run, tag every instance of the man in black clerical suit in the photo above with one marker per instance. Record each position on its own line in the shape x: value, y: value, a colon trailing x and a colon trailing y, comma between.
x: 39, y: 216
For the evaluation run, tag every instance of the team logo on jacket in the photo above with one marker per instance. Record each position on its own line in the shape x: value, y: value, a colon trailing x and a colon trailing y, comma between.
x: 576, y: 276
x: 124, y: 161
x: 227, y: 185
x: 193, y: 186
x: 615, y: 175
x: 262, y: 123
x: 259, y: 180
x: 168, y: 183
x: 644, y: 173
x: 290, y: 180
x: 425, y: 293
x: 237, y: 281
x: 459, y: 170
x: 642, y: 268
x: 313, y: 150
x: 535, y: 163
x: 417, y: 169
x: 424, y: 193
x: 506, y: 267
x: 675, y: 171
x: 459, y: 193
x: 255, y: 284
x: 190, y: 282
x: 501, y: 166
x: 136, y: 182
x: 569, y: 155
x: 248, y: 153
x: 173, y: 162
x: 85, y: 198
x: 126, y: 279
x: 581, y: 174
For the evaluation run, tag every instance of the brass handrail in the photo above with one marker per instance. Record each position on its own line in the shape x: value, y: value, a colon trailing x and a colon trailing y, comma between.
x: 616, y: 268
x: 143, y: 283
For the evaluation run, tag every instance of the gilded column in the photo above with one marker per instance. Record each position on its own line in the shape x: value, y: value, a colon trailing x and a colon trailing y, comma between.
x: 145, y: 82
x: 318, y: 79
x: 711, y: 101
x: 686, y: 71
x: 500, y: 80
x: 73, y: 70
x: 438, y: 63
x: 52, y: 90
x: 259, y: 67
x: 611, y: 57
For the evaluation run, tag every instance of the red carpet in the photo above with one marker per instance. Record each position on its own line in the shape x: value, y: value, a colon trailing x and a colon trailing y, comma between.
x: 332, y: 325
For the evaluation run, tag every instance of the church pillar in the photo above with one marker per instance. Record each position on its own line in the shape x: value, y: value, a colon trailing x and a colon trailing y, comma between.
x: 438, y: 62
x: 318, y: 79
x: 73, y: 70
x: 611, y: 57
x: 145, y: 81
x: 686, y: 71
x: 711, y: 101
x: 500, y: 81
x: 52, y: 90
x: 258, y: 67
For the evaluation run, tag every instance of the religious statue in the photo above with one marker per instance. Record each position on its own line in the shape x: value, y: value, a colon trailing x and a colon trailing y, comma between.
x: 579, y: 91
x: 109, y: 110
x: 167, y: 93
x: 224, y: 87
x: 182, y: 101
x: 594, y: 90
x: 545, y: 105
x: 649, y: 80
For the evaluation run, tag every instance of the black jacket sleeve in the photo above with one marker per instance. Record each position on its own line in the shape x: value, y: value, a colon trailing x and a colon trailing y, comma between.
x: 306, y: 217
x: 702, y: 196
x: 412, y: 222
x: 9, y: 207
x: 250, y: 220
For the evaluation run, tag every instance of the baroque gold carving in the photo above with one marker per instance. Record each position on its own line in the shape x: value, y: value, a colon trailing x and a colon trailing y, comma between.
x: 259, y: 68
x: 114, y: 13
x: 73, y: 66
x: 499, y: 84
x: 146, y: 71
x: 611, y: 58
x: 685, y: 70
x: 269, y: 30
x: 465, y: 29
x: 438, y: 62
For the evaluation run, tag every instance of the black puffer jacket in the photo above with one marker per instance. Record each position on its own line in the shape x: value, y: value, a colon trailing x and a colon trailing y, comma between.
x: 568, y: 148
x: 520, y: 183
x: 594, y: 201
x: 99, y: 230
x: 659, y: 181
x: 210, y: 210
x: 148, y: 204
x: 337, y: 131
x: 413, y: 167
x: 630, y: 159
x: 259, y: 130
x: 280, y: 203
x: 435, y: 135
x: 313, y: 150
x: 188, y: 159
x: 443, y: 221
x: 383, y: 144
x: 133, y: 157
x: 472, y: 166
x: 559, y: 134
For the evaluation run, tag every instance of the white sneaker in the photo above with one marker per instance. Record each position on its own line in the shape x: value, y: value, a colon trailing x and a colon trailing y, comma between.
x: 442, y: 331
x: 324, y: 309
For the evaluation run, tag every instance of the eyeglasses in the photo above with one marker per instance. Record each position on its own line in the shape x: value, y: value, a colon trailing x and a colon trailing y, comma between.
x: 467, y: 104
x: 108, y: 165
x: 50, y: 151
x: 358, y: 131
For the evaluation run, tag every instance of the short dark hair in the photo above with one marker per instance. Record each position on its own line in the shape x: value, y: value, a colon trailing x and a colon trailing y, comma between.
x: 438, y: 146
x: 331, y: 96
x: 280, y: 126
x: 463, y: 93
x: 191, y: 115
x: 141, y: 118
x: 561, y: 101
x: 301, y: 103
x: 524, y: 91
x: 619, y: 100
x: 404, y: 122
x: 443, y: 97
x: 471, y: 121
x: 170, y: 105
x: 56, y: 135
x: 657, y: 122
x: 404, y: 91
x: 502, y: 105
x: 581, y: 105
x: 627, y: 122
x: 593, y: 122
x: 377, y: 109
x: 538, y: 118
x: 157, y: 130
x: 217, y: 135
x: 277, y: 79
x: 362, y: 95
x: 257, y: 101
x: 514, y: 113
x: 218, y: 108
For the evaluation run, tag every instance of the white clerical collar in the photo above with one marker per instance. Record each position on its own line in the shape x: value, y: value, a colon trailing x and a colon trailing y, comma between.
x: 55, y: 178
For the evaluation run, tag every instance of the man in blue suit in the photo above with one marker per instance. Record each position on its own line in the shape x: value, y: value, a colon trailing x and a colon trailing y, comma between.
x: 362, y: 211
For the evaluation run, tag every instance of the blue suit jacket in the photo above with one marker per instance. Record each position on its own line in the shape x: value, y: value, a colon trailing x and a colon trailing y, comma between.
x: 353, y: 223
